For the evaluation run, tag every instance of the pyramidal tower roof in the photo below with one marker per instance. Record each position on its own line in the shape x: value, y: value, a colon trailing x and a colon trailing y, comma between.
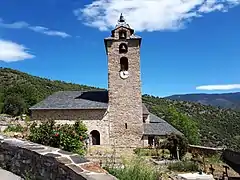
x: 122, y: 22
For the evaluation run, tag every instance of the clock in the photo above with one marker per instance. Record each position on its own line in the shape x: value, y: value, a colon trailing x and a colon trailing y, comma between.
x: 124, y: 74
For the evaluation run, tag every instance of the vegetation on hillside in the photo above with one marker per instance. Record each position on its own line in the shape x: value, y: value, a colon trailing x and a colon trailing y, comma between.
x: 205, y: 125
x: 19, y: 91
x: 215, y: 127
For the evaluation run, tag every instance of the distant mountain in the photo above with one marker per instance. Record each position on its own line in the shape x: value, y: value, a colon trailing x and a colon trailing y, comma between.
x: 226, y: 100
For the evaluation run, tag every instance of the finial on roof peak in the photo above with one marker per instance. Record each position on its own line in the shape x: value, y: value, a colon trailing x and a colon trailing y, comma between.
x: 121, y: 19
x: 122, y: 22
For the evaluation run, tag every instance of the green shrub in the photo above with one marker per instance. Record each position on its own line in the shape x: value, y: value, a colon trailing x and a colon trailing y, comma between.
x: 1, y: 107
x: 137, y: 169
x: 214, y: 159
x: 67, y: 137
x: 184, y: 166
x: 14, y: 128
x: 173, y: 142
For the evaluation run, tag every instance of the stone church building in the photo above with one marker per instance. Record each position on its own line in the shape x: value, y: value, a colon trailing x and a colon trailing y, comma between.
x: 116, y: 117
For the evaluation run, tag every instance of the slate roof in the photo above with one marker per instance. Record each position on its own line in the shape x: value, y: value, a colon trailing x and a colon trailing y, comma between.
x: 158, y: 126
x: 77, y: 100
x: 99, y: 100
x: 74, y: 100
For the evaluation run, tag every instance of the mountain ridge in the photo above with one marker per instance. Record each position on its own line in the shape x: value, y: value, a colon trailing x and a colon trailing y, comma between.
x: 223, y: 100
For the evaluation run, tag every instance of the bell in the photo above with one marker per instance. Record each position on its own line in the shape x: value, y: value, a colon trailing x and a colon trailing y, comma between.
x: 123, y: 48
x: 122, y: 35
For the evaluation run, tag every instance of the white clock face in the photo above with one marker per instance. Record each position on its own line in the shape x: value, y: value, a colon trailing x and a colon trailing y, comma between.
x: 124, y: 74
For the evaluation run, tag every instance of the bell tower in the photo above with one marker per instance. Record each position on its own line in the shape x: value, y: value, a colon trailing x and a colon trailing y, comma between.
x: 124, y: 87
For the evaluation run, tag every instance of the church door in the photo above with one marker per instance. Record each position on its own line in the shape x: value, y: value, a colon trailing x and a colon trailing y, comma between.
x: 95, y: 137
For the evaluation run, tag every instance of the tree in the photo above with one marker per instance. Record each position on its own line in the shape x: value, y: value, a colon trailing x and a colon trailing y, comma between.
x: 14, y: 105
x: 173, y: 142
x: 185, y: 124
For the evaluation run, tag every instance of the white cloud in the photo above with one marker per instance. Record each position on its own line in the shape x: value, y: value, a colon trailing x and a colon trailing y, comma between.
x: 46, y: 31
x: 11, y: 52
x: 149, y: 15
x: 39, y: 29
x: 219, y: 87
x: 15, y: 25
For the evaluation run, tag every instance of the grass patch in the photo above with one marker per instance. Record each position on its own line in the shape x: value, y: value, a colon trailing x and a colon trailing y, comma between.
x: 136, y: 169
x: 14, y: 128
x: 215, y: 159
x: 184, y: 166
x: 152, y: 152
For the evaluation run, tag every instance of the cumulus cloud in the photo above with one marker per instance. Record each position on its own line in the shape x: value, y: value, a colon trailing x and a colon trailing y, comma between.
x: 11, y: 51
x: 149, y: 15
x: 39, y: 29
x: 219, y: 87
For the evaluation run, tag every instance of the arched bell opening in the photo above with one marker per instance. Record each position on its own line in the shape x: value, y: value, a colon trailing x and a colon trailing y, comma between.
x: 123, y: 48
x: 124, y: 64
x: 122, y: 35
x: 95, y: 135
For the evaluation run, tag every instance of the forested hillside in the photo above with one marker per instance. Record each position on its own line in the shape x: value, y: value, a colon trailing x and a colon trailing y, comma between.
x: 27, y: 90
x: 216, y: 127
x: 201, y: 124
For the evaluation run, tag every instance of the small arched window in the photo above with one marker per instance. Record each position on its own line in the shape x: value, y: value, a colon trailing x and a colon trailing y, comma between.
x: 123, y: 48
x: 124, y: 64
x: 122, y: 35
x: 95, y: 137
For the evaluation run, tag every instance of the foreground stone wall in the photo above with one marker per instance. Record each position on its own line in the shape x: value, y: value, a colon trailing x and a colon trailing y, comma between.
x: 34, y: 161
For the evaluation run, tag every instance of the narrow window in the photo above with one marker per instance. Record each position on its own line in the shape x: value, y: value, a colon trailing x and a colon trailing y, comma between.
x: 150, y: 140
x: 122, y: 35
x: 124, y: 64
x: 95, y: 137
x: 144, y: 118
x: 123, y: 48
x: 126, y: 125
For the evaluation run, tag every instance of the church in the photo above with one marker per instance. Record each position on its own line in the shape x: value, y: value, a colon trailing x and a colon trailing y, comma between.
x: 114, y: 117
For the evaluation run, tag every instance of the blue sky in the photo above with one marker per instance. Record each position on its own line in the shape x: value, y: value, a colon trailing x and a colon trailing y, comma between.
x: 190, y: 46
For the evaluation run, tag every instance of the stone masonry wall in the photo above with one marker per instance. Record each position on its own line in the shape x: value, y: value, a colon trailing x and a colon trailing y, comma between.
x: 125, y: 101
x: 34, y: 161
x: 93, y: 119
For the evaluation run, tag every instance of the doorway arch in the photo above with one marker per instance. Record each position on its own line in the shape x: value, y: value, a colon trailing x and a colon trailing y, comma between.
x: 95, y: 137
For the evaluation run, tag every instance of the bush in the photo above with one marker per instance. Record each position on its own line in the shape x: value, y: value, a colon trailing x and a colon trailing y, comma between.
x: 184, y: 166
x: 137, y: 169
x: 14, y: 128
x: 173, y: 142
x: 67, y: 137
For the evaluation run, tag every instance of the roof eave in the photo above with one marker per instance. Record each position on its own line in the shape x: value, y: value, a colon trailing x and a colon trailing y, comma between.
x: 112, y: 39
x: 100, y: 108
